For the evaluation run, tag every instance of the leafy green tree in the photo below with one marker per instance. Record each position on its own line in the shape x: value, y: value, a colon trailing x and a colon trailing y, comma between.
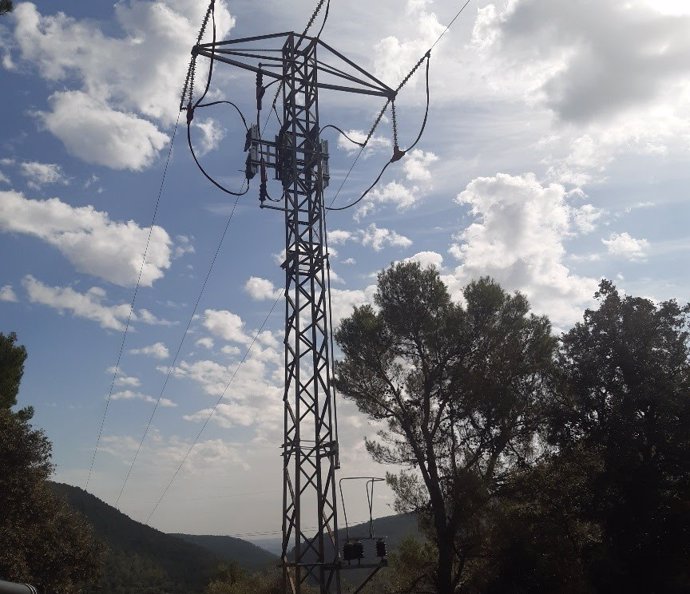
x: 459, y: 388
x: 12, y: 358
x: 6, y: 6
x: 624, y: 401
x: 42, y: 541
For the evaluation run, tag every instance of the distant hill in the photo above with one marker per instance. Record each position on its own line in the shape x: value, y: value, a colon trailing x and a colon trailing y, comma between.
x: 395, y: 528
x: 228, y: 548
x: 143, y: 560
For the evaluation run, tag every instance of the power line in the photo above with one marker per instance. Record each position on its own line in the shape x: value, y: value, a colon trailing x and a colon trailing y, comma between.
x: 213, y: 411
x: 378, y: 119
x: 171, y: 367
x: 131, y: 307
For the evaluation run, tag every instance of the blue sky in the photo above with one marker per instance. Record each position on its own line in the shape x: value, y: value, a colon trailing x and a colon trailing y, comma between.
x: 556, y: 154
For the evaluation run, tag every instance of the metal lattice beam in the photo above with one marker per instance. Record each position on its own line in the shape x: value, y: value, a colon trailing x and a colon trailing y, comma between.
x: 309, y: 444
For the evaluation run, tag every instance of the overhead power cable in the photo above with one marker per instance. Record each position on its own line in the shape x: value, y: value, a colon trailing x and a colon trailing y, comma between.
x: 396, y: 155
x: 131, y: 306
x: 213, y: 411
x: 173, y: 364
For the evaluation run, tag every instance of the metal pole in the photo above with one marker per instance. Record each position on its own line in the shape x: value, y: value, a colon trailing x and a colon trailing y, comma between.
x: 309, y: 446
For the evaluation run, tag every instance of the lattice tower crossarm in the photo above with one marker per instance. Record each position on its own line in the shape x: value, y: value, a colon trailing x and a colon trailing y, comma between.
x: 310, y: 445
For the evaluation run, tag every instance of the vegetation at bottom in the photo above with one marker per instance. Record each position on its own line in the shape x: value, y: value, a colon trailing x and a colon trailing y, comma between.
x: 533, y: 462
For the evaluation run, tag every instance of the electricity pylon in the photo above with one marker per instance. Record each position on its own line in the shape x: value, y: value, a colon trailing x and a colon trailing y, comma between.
x: 299, y: 159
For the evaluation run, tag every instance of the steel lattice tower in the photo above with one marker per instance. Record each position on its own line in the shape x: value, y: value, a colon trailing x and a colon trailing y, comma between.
x: 299, y: 158
x: 309, y: 442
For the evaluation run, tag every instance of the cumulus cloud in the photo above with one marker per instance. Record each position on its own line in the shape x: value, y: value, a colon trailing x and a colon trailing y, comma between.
x: 7, y: 293
x: 427, y: 259
x: 378, y: 238
x: 393, y: 193
x: 395, y: 58
x: 601, y: 61
x: 376, y: 142
x: 206, y: 342
x: 107, y: 119
x: 401, y: 195
x: 157, y: 350
x: 261, y: 289
x: 250, y: 390
x: 92, y: 242
x: 416, y: 165
x: 623, y: 245
x: 517, y: 238
x: 42, y: 174
x: 89, y: 305
x: 130, y: 395
x: 372, y: 236
x: 122, y: 379
x: 226, y: 325
x: 96, y: 133
x: 211, y: 134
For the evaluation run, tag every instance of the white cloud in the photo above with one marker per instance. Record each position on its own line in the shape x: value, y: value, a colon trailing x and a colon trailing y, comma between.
x: 7, y: 293
x: 343, y: 300
x: 426, y: 259
x: 601, y: 61
x: 517, y: 238
x: 124, y: 81
x: 130, y: 395
x: 82, y: 305
x: 206, y: 342
x: 261, y: 289
x: 88, y: 238
x: 87, y: 305
x: 416, y: 165
x: 338, y: 236
x: 585, y: 217
x: 393, y: 58
x: 376, y: 143
x: 183, y: 245
x: 157, y: 350
x: 42, y: 174
x: 94, y: 132
x: 228, y: 415
x: 378, y: 238
x: 625, y: 246
x: 226, y: 325
x: 4, y: 179
x: 393, y: 193
x: 122, y: 379
x: 211, y: 134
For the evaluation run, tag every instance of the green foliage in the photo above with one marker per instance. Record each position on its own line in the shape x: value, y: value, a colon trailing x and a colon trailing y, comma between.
x: 140, y: 559
x: 6, y: 6
x: 460, y: 389
x: 625, y: 401
x: 42, y: 541
x: 234, y: 582
x: 12, y: 357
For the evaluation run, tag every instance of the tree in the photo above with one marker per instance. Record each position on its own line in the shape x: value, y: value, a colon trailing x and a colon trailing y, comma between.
x: 6, y: 6
x: 624, y: 401
x: 42, y: 541
x: 459, y: 390
x: 12, y: 358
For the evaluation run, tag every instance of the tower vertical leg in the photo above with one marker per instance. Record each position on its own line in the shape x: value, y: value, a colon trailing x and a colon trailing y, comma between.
x: 310, y: 547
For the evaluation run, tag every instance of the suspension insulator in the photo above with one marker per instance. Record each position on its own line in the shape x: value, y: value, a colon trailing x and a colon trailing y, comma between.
x: 358, y: 549
x: 381, y: 548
